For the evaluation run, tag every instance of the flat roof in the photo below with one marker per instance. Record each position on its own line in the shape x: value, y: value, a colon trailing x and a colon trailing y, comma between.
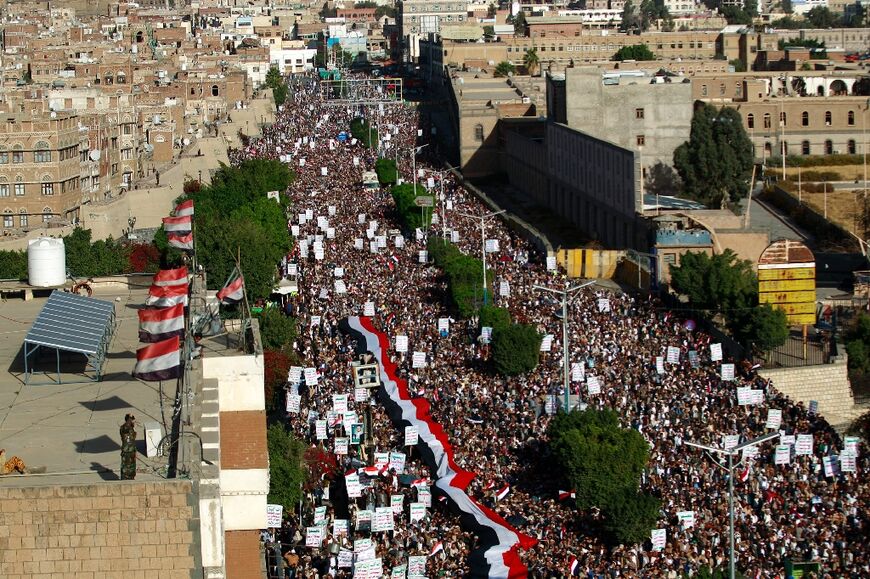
x: 71, y: 430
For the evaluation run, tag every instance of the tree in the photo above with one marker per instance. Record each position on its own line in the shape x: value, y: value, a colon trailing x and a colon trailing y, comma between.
x: 276, y: 365
x: 735, y: 15
x: 386, y: 170
x: 274, y: 78
x: 822, y: 17
x: 494, y: 317
x: 634, y: 52
x: 858, y: 345
x: 786, y: 6
x: 630, y: 17
x: 715, y: 164
x: 516, y: 349
x: 603, y: 462
x: 738, y: 64
x: 410, y: 213
x: 662, y: 179
x: 520, y: 24
x: 504, y: 68
x: 718, y: 282
x: 387, y: 11
x: 363, y: 132
x: 286, y: 467
x: 491, y: 10
x: 531, y: 60
x: 762, y: 327
x: 277, y: 331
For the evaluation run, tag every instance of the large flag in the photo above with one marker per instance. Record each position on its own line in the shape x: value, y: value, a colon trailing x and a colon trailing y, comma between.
x: 177, y: 276
x: 180, y: 241
x: 178, y: 224
x: 156, y: 325
x: 158, y: 361
x: 234, y: 291
x: 164, y: 296
x: 184, y: 209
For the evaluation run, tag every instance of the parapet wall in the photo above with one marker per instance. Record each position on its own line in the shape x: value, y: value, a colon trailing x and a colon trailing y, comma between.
x: 117, y: 529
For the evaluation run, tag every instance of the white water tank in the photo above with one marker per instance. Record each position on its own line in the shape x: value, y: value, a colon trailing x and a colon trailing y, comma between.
x: 46, y: 262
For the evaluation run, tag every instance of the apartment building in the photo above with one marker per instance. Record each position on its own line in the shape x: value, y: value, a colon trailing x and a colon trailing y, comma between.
x: 419, y: 18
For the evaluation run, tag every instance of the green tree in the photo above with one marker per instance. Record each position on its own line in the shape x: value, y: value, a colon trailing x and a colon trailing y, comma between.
x: 277, y: 331
x: 662, y: 179
x: 736, y: 15
x: 762, y: 327
x: 491, y: 10
x: 531, y: 60
x: 387, y: 11
x: 738, y: 64
x: 516, y: 349
x: 722, y: 281
x: 631, y: 19
x: 822, y: 17
x: 858, y: 345
x: 715, y: 164
x: 786, y: 6
x: 386, y: 170
x: 494, y: 317
x: 279, y: 94
x: 634, y: 52
x: 363, y: 132
x: 274, y: 78
x: 13, y: 264
x: 521, y: 27
x: 286, y: 467
x: 504, y: 68
x: 411, y: 214
x: 603, y: 463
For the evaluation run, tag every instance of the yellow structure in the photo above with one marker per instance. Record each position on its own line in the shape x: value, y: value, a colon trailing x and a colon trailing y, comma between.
x: 787, y: 280
x: 589, y: 263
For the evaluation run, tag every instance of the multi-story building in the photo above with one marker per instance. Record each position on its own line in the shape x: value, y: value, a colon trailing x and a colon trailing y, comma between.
x: 419, y: 18
x: 39, y: 169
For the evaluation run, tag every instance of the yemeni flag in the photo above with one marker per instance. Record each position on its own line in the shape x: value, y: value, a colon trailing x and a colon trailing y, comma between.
x: 158, y: 361
x: 177, y: 276
x: 184, y: 209
x: 439, y: 546
x: 156, y: 325
x: 164, y: 296
x: 178, y: 224
x: 572, y: 566
x: 744, y: 474
x: 234, y: 290
x: 567, y: 494
x: 181, y: 241
x: 503, y: 492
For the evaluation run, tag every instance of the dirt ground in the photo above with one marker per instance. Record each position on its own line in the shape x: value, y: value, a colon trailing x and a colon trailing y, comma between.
x: 846, y: 172
x: 844, y: 206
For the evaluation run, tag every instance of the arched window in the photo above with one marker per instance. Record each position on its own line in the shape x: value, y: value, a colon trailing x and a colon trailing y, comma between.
x: 829, y: 147
x: 750, y: 121
x: 768, y: 148
x: 46, y: 214
x: 108, y: 79
x: 19, y: 186
x: 7, y: 218
x: 22, y: 217
x: 121, y: 77
x: 4, y: 186
x: 805, y: 119
x: 782, y: 118
x: 215, y: 91
x: 828, y: 118
x: 805, y: 148
x: 766, y: 120
x: 47, y: 185
x: 851, y: 146
x: 17, y: 154
x: 42, y: 153
x: 851, y: 118
x: 478, y: 132
x: 4, y: 155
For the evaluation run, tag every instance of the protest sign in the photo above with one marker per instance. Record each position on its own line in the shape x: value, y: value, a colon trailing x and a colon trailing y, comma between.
x: 419, y: 360
x: 274, y: 514
x: 418, y: 511
x: 341, y: 445
x: 658, y: 538
x: 673, y: 355
x: 339, y: 403
x: 727, y: 372
x: 411, y: 436
x: 783, y: 454
x: 314, y: 536
x: 401, y: 343
x: 293, y: 402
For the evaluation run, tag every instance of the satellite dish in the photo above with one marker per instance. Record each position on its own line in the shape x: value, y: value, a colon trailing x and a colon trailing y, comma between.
x: 186, y: 141
x: 94, y: 155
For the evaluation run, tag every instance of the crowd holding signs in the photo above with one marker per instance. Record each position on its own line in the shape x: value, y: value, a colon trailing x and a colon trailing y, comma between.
x: 383, y: 510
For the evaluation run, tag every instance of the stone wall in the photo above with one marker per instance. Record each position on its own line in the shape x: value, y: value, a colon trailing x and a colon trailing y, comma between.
x: 120, y: 529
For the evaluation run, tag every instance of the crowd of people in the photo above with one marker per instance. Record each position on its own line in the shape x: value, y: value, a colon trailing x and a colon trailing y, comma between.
x: 348, y: 234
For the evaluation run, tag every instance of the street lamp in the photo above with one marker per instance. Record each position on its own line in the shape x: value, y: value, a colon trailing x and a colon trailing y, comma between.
x: 730, y: 453
x: 414, y: 152
x: 565, y: 293
x: 483, y: 219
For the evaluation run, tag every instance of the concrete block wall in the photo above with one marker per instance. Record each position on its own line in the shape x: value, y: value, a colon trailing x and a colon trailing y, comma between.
x: 827, y: 383
x: 134, y: 530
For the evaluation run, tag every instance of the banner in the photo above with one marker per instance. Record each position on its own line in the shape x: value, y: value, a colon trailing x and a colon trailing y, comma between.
x: 369, y: 309
x: 274, y: 516
x: 339, y: 403
x: 401, y: 343
x: 673, y: 355
x: 417, y: 565
x: 659, y: 538
x: 547, y: 343
x: 411, y: 436
x: 686, y: 518
x: 578, y: 372
x: 320, y: 429
x: 727, y: 372
x: 341, y: 445
x: 397, y: 503
x: 354, y: 490
x: 660, y: 365
x: 716, y: 352
x: 314, y: 536
x: 593, y: 385
x: 783, y: 454
x: 804, y: 445
x: 293, y: 402
x: 418, y: 360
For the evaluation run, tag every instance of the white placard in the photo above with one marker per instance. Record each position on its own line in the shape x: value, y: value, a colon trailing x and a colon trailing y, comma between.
x: 850, y: 445
x: 418, y: 511
x: 423, y: 256
x: 729, y: 441
x: 727, y: 372
x: 547, y: 343
x: 338, y: 272
x: 803, y: 446
x: 486, y: 334
x: 686, y: 518
x: 324, y: 171
x: 360, y: 394
x: 578, y: 372
x: 673, y: 355
x: 319, y: 515
x: 783, y: 454
x: 401, y: 343
x: 603, y: 305
x: 397, y: 503
x: 397, y: 462
x: 551, y: 263
x: 424, y: 496
x: 491, y: 245
x: 454, y: 236
x: 311, y: 376
x: 381, y: 240
x: 744, y: 396
x: 443, y: 325
x: 716, y: 352
x: 659, y: 538
x: 274, y: 514
x: 330, y: 233
x: 848, y: 463
x: 369, y: 309
x: 788, y: 439
x: 320, y: 429
x: 341, y: 445
x: 416, y: 565
x: 354, y: 490
x: 418, y: 360
x: 331, y: 210
x: 504, y: 289
x: 294, y: 230
x: 294, y: 375
x: 831, y: 466
x: 293, y: 402
x: 382, y: 520
x: 345, y: 559
x: 339, y: 403
x: 660, y: 365
x: 340, y: 287
x: 411, y: 436
x: 399, y: 241
x: 314, y: 536
x: 593, y: 385
x: 358, y: 243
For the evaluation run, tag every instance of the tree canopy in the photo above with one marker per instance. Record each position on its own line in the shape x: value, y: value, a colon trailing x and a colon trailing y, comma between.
x: 504, y: 68
x: 715, y: 164
x: 531, y: 60
x: 286, y: 467
x: 516, y: 349
x: 858, y: 345
x: 634, y: 52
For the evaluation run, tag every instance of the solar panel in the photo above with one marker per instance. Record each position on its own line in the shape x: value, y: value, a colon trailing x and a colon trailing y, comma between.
x: 72, y: 323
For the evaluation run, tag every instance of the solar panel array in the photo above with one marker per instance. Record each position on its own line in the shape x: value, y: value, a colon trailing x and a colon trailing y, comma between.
x: 72, y: 323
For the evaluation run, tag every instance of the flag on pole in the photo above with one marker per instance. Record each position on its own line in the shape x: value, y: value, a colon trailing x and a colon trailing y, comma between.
x: 234, y: 290
x: 156, y: 325
x: 180, y: 241
x: 164, y: 296
x: 744, y: 474
x: 439, y: 546
x: 178, y: 224
x: 572, y: 566
x: 158, y: 361
x: 566, y: 494
x: 503, y: 492
x: 184, y: 209
x: 175, y: 276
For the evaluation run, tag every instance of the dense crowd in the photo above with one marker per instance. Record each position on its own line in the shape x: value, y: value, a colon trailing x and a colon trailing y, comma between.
x: 498, y: 426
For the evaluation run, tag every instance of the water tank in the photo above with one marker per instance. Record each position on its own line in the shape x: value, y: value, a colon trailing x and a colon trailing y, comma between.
x: 46, y: 262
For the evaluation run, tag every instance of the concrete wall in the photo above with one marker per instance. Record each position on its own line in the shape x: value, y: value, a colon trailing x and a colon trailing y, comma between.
x: 240, y: 379
x: 118, y: 529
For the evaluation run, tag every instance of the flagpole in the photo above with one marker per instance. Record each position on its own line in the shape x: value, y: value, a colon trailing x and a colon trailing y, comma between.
x: 246, y: 310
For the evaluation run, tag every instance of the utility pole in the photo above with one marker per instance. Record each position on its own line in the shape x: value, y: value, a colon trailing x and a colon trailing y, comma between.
x: 483, y: 219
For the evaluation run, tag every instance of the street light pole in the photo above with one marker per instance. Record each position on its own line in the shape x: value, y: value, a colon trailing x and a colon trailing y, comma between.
x: 565, y: 293
x: 483, y: 219
x: 730, y: 453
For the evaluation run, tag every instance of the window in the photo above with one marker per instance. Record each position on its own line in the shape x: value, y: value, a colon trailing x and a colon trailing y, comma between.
x: 738, y: 89
x: 829, y: 147
x: 851, y: 146
x: 750, y: 121
x: 19, y: 189
x: 805, y: 119
x: 22, y: 218
x: 703, y: 90
x: 215, y: 91
x: 18, y: 155
x: 46, y: 214
x: 828, y: 118
x: 851, y: 118
x: 478, y: 132
x: 766, y: 120
x: 47, y: 188
x: 42, y: 154
x: 4, y: 157
x: 7, y: 219
x: 722, y: 89
x: 669, y: 258
x: 805, y: 148
x: 4, y: 190
x: 782, y: 118
x: 638, y: 113
x: 641, y: 140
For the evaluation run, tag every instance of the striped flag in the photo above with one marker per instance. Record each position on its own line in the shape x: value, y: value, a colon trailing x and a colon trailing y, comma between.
x: 439, y: 546
x: 175, y: 276
x: 567, y: 494
x: 572, y: 566
x: 184, y: 209
x: 503, y: 492
x: 158, y: 361
x: 164, y: 296
x: 178, y: 224
x: 234, y: 291
x: 181, y: 241
x: 744, y: 474
x: 156, y: 325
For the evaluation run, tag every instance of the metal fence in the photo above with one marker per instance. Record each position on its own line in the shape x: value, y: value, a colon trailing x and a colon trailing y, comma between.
x: 817, y: 349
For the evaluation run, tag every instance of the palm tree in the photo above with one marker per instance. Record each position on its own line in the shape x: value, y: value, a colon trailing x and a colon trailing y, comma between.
x: 531, y: 60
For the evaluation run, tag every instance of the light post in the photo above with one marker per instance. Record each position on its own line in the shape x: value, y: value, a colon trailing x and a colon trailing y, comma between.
x: 565, y: 293
x: 864, y: 138
x: 483, y: 219
x: 730, y: 453
x: 414, y: 151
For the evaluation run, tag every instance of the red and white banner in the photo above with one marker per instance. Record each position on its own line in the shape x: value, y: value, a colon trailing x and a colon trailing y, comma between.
x: 184, y: 209
x: 497, y: 555
x: 175, y: 276
x: 158, y: 361
x: 156, y: 325
x: 180, y: 241
x: 164, y: 296
x: 234, y: 291
x: 178, y: 224
x: 503, y: 492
